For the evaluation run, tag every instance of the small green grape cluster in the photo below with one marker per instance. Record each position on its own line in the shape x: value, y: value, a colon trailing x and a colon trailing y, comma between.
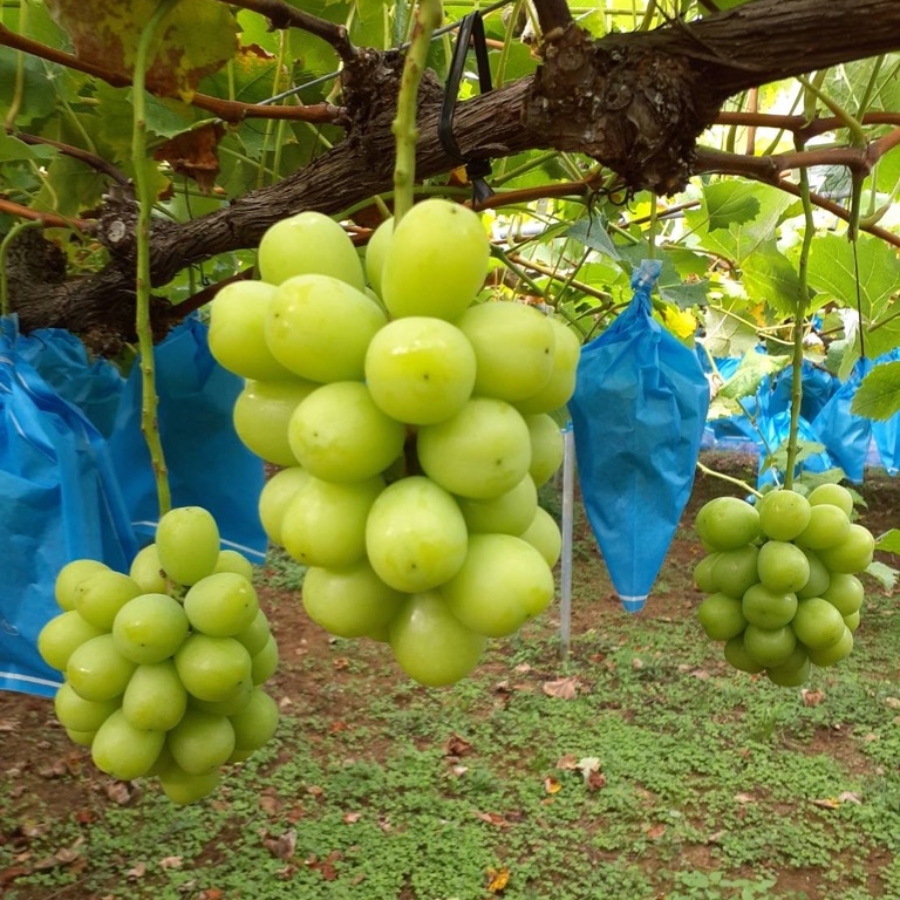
x: 412, y: 426
x: 781, y: 580
x: 164, y: 666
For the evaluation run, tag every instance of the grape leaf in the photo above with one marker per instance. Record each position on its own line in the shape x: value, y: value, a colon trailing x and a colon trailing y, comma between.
x: 38, y: 96
x: 832, y: 270
x: 729, y: 330
x: 769, y: 277
x: 11, y: 148
x: 741, y: 239
x: 197, y: 38
x: 592, y: 233
x: 685, y: 295
x: 753, y: 368
x: 730, y: 201
x: 70, y: 187
x: 878, y: 396
x: 889, y: 542
x: 885, y: 575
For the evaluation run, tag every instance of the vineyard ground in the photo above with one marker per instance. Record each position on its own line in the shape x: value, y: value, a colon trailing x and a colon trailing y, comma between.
x: 641, y: 768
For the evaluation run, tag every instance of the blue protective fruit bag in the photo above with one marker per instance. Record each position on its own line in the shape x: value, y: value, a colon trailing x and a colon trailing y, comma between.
x: 638, y: 413
x: 61, y: 360
x: 61, y: 501
x: 772, y: 429
x: 886, y: 433
x: 846, y: 436
x: 208, y: 465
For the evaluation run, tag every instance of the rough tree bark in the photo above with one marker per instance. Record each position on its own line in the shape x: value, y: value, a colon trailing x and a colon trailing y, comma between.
x: 635, y: 102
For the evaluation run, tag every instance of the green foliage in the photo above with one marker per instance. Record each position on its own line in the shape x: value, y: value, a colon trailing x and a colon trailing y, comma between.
x: 878, y: 396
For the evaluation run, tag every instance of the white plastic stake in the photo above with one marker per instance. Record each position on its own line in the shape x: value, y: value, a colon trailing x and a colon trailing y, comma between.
x: 568, y: 515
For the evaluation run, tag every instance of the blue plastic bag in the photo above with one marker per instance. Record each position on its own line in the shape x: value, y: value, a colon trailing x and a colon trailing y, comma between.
x: 819, y: 386
x: 886, y: 433
x: 773, y: 428
x: 638, y: 412
x: 61, y: 360
x: 887, y: 439
x: 61, y: 501
x: 846, y: 436
x: 208, y: 465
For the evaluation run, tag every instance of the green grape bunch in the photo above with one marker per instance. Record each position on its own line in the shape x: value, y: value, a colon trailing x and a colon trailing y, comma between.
x: 412, y: 427
x: 781, y: 580
x: 164, y: 668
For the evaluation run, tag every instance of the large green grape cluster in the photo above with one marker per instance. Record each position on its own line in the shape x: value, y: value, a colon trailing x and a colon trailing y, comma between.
x: 164, y: 667
x: 411, y: 426
x: 781, y: 580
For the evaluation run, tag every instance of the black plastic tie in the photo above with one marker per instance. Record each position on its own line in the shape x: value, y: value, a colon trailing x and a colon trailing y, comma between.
x: 471, y: 31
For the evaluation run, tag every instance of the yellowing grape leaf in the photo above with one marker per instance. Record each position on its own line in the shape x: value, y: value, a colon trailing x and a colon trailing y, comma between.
x: 196, y: 39
x: 552, y: 785
x: 681, y: 322
x: 498, y: 879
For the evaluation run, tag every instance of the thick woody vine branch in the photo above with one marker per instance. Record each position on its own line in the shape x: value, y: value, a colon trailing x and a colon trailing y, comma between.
x: 554, y: 16
x: 635, y: 103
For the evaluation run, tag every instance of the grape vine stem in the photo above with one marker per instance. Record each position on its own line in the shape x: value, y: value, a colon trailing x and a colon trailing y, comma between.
x: 145, y: 198
x: 706, y: 470
x: 406, y: 132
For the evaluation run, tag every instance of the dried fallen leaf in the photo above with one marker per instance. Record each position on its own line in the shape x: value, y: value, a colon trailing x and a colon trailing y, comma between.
x: 457, y: 746
x: 492, y: 819
x: 889, y: 702
x: 284, y: 846
x: 567, y: 763
x: 594, y: 781
x: 137, y: 871
x: 11, y: 873
x: 655, y: 832
x: 850, y: 797
x: 9, y: 725
x: 827, y: 803
x: 171, y: 862
x: 351, y: 817
x: 325, y: 867
x: 212, y: 894
x: 562, y: 688
x: 812, y: 698
x: 552, y: 785
x: 522, y: 668
x: 57, y: 769
x: 119, y: 792
x: 744, y: 798
x: 269, y: 805
x: 62, y: 857
x: 341, y: 663
x: 315, y: 791
x: 498, y: 879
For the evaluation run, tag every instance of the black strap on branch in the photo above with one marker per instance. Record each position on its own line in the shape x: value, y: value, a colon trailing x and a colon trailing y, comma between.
x: 471, y: 30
